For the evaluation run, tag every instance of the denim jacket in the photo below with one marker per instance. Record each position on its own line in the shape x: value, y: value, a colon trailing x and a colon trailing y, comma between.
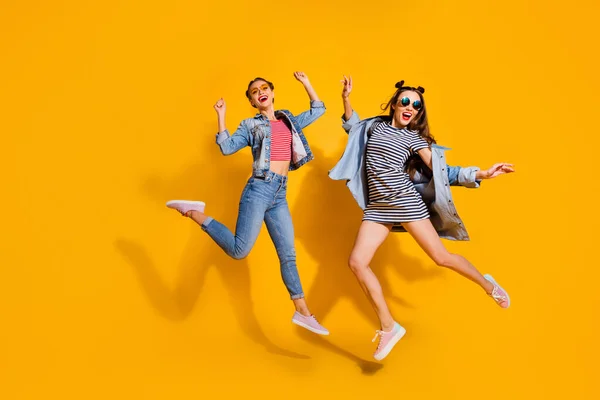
x: 435, y: 192
x: 256, y: 133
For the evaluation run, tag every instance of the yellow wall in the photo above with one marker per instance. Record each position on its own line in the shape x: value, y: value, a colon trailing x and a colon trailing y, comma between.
x: 106, y: 113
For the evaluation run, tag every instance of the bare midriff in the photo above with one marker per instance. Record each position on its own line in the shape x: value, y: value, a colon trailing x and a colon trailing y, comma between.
x: 280, y: 167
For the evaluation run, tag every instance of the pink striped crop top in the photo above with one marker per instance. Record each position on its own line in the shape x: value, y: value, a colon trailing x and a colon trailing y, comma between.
x: 281, y: 141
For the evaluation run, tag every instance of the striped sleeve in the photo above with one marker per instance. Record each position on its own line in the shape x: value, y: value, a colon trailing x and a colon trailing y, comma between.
x: 418, y: 143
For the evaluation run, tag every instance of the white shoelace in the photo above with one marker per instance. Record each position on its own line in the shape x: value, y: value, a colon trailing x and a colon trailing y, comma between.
x: 380, y: 335
x: 496, y: 296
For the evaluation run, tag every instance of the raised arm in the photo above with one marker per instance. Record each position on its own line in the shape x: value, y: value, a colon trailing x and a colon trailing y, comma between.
x: 220, y: 107
x: 317, y: 107
x: 301, y: 76
x: 346, y: 97
x: 350, y: 117
x: 230, y: 144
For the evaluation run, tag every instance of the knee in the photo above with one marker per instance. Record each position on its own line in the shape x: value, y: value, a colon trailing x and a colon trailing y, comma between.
x: 287, y: 258
x: 240, y: 253
x: 356, y: 265
x: 443, y: 259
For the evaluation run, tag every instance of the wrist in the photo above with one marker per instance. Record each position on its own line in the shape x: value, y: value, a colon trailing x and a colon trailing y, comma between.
x: 479, y: 175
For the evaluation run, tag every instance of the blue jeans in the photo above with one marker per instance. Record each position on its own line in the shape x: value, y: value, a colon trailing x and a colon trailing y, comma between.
x: 263, y: 199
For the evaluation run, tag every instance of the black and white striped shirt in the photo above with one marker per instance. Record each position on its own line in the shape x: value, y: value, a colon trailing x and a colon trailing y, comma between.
x: 392, y: 196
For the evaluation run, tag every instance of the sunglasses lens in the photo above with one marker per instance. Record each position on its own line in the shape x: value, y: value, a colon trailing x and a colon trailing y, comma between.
x: 405, y: 101
x: 417, y: 105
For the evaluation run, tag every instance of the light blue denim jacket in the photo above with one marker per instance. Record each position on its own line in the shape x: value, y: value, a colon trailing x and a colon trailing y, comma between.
x: 256, y: 133
x: 435, y: 192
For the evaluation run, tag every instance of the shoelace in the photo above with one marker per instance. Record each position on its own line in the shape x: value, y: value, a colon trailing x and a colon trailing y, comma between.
x: 496, y: 296
x: 380, y: 335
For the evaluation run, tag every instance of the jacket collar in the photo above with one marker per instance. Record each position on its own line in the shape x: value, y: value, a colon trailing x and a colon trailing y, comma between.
x: 260, y: 116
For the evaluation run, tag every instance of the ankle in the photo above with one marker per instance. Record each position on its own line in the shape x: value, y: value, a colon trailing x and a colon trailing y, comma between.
x: 388, y: 326
x: 489, y: 287
x: 304, y: 311
x: 196, y: 215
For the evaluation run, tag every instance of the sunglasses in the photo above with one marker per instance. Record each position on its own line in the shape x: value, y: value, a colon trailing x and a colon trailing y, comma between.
x: 417, y: 104
x: 263, y: 87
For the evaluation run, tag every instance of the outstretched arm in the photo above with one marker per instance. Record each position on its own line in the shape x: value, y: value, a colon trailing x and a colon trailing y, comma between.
x: 454, y: 172
x: 494, y: 171
x: 471, y: 176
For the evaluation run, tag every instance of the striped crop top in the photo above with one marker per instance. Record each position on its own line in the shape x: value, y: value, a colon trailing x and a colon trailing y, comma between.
x: 281, y: 141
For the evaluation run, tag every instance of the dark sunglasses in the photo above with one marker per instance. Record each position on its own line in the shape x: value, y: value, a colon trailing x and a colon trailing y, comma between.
x: 417, y: 104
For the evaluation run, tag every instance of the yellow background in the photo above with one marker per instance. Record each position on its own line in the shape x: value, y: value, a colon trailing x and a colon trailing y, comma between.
x: 106, y: 113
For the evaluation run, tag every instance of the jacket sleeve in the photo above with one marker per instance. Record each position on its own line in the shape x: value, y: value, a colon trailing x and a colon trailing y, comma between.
x: 347, y: 125
x: 317, y: 108
x: 230, y: 144
x: 462, y: 176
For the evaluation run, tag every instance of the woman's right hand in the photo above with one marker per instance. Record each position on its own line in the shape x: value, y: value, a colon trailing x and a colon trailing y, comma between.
x: 347, y: 87
x: 220, y: 107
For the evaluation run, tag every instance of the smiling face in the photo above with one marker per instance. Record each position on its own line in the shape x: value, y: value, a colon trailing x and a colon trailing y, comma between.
x: 407, y: 108
x: 260, y: 94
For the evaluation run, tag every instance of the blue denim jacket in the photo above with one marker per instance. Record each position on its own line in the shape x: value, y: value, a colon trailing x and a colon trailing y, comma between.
x: 435, y: 192
x: 256, y: 133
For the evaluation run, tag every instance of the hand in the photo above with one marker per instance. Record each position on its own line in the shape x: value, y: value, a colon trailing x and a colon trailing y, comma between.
x: 347, y: 87
x: 220, y: 107
x: 301, y: 76
x: 496, y: 170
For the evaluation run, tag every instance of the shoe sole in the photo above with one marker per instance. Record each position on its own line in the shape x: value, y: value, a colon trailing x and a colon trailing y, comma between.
x: 186, y: 202
x: 391, y: 345
x: 489, y: 278
x: 310, y: 328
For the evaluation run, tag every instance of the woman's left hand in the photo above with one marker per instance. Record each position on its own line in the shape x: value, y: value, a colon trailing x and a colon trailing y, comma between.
x: 496, y: 170
x: 301, y: 76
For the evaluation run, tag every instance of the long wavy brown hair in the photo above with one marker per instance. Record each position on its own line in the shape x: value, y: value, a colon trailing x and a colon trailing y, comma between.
x: 419, y: 124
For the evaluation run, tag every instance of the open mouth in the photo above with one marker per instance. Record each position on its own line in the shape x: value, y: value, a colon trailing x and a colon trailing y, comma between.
x: 263, y: 98
x: 406, y: 116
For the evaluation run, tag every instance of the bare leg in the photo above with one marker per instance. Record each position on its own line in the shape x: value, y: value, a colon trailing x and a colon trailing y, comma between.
x: 426, y: 236
x: 196, y: 216
x: 301, y: 307
x: 370, y: 236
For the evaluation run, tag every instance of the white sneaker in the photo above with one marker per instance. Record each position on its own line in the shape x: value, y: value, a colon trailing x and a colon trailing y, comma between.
x: 387, y: 340
x: 185, y: 206
x: 309, y: 323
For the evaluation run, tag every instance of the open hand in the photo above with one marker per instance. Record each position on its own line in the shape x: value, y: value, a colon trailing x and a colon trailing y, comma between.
x: 497, y: 170
x: 301, y: 76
